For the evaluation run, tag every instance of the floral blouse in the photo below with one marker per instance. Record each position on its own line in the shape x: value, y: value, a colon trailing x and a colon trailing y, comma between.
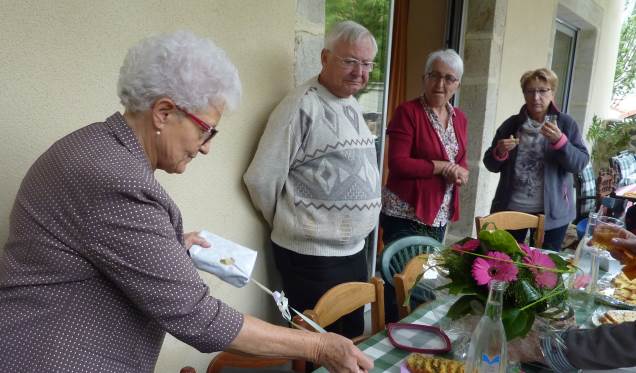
x: 392, y: 204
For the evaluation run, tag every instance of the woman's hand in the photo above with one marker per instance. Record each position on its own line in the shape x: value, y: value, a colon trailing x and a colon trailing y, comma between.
x: 192, y: 238
x: 551, y: 132
x: 506, y: 145
x: 339, y: 354
x: 455, y: 174
x: 462, y: 176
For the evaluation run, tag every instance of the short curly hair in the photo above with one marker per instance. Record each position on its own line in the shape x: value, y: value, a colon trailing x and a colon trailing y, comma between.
x: 192, y: 71
x: 543, y: 74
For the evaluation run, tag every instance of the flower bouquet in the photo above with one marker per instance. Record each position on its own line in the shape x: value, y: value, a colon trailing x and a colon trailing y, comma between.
x: 535, y: 279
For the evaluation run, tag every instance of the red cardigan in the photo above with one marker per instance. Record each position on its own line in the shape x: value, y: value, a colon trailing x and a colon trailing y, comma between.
x: 413, y: 145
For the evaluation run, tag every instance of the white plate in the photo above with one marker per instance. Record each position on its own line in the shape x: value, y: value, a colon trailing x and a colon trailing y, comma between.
x: 596, y: 316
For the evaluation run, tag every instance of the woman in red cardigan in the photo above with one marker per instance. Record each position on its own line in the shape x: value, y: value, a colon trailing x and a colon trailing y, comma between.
x: 427, y: 156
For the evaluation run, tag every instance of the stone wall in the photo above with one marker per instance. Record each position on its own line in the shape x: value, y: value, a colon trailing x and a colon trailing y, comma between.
x: 309, y: 39
x: 483, y: 44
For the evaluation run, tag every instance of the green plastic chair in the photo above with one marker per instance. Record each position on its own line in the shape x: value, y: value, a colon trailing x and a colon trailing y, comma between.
x: 399, y: 252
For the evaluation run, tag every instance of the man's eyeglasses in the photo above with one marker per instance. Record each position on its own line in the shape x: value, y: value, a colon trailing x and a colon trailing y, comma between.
x: 350, y: 63
x: 209, y: 130
x: 541, y: 92
x: 436, y: 77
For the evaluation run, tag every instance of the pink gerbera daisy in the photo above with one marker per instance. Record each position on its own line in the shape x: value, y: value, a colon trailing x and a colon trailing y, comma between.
x: 543, y: 278
x: 525, y: 248
x: 497, y: 267
x: 469, y: 245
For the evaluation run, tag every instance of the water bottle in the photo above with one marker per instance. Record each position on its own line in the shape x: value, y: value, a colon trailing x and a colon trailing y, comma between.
x: 488, y: 350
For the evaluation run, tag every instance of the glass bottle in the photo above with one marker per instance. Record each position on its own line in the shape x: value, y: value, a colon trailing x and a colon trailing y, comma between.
x: 488, y: 350
x: 589, y: 229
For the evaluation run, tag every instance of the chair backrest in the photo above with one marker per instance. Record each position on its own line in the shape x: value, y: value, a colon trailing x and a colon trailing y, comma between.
x: 624, y: 165
x: 233, y: 360
x: 399, y: 252
x: 404, y: 282
x: 585, y: 193
x: 342, y: 299
x: 511, y: 220
x: 605, y: 183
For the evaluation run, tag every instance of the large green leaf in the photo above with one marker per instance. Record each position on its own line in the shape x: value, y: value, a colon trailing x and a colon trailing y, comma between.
x: 499, y: 240
x: 524, y: 292
x: 517, y: 323
x: 560, y: 263
x: 462, y: 306
x: 457, y: 288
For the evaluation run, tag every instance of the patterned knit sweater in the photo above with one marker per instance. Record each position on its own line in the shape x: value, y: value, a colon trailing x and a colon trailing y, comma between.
x: 314, y: 176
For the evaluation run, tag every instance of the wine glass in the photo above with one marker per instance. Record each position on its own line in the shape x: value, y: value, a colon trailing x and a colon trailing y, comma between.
x: 550, y: 118
x: 605, y: 229
x: 583, y: 283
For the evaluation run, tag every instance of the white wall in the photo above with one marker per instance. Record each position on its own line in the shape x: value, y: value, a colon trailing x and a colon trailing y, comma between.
x: 605, y: 63
x: 58, y: 72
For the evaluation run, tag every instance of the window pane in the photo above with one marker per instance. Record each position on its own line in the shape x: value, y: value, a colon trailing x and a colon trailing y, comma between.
x: 563, y: 62
x: 374, y: 15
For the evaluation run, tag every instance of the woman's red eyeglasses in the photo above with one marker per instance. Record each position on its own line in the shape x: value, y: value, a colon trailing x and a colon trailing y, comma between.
x: 209, y: 130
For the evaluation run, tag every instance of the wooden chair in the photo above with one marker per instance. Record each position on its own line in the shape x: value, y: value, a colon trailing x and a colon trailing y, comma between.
x: 511, y: 220
x: 345, y: 298
x: 229, y: 359
x: 233, y: 360
x: 405, y: 280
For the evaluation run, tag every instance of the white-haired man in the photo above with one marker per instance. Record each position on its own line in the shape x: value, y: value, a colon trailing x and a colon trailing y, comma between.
x: 315, y: 177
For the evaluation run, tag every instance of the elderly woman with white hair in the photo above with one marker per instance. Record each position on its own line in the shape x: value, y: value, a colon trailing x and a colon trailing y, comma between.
x: 95, y: 269
x: 427, y: 155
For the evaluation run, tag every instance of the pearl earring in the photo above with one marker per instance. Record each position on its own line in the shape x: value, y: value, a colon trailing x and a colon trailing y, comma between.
x: 158, y: 133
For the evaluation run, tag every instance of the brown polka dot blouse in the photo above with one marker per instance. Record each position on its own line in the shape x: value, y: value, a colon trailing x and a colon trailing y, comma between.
x: 94, y: 271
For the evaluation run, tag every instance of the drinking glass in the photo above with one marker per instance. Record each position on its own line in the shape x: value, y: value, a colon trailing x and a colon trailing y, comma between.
x: 605, y: 229
x: 583, y: 283
x: 550, y: 118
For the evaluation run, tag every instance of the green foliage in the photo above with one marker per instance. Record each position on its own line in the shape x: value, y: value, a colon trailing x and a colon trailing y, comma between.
x: 523, y: 299
x: 499, y: 240
x: 517, y: 322
x: 625, y: 74
x: 372, y: 14
x: 465, y: 305
x: 609, y: 138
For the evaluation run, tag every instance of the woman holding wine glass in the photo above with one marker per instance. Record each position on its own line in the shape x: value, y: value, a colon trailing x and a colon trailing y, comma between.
x: 536, y: 152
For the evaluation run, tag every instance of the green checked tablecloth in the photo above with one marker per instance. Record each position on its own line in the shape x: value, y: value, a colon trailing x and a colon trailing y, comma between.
x: 387, y: 358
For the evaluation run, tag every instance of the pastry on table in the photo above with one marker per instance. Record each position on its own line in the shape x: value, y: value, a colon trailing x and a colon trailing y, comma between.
x: 418, y: 363
x: 617, y: 317
x: 624, y: 288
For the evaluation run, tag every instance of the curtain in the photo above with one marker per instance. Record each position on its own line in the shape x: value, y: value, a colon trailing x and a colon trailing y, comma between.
x: 397, y: 81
